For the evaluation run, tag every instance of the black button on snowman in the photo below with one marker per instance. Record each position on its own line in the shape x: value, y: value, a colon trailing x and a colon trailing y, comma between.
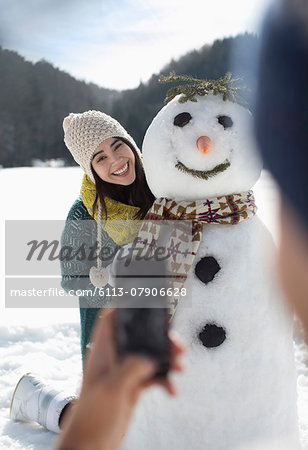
x: 211, y: 335
x: 206, y: 269
x: 239, y: 384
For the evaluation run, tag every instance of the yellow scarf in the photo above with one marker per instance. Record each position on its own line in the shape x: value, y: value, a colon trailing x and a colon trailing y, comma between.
x: 121, y: 224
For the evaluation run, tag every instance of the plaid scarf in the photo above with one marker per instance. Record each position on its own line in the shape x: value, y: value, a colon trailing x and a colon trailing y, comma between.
x: 189, y: 217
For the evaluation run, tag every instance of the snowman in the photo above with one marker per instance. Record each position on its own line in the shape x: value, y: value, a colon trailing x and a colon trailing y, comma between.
x: 239, y: 385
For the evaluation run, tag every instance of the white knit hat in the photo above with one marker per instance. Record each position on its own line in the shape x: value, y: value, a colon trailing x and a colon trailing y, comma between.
x: 83, y: 132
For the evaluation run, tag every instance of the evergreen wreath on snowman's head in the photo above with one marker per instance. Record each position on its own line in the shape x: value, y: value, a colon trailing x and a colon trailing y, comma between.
x: 226, y: 86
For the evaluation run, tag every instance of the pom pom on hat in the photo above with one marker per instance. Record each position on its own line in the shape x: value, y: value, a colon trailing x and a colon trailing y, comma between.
x: 99, y: 276
x: 84, y: 132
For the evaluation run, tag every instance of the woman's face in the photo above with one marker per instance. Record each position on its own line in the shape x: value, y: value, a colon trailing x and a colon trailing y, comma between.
x: 114, y: 162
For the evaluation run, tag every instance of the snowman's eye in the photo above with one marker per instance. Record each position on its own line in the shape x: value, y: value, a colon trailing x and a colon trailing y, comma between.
x: 182, y: 119
x: 225, y: 121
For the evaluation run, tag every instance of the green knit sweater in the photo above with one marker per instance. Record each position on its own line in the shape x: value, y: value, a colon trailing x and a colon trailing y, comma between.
x: 80, y: 233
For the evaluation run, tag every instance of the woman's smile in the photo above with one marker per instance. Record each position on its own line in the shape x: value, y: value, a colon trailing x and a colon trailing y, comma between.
x: 122, y: 171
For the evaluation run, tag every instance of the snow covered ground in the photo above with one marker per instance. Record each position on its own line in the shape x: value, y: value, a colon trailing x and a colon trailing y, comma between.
x: 46, y: 341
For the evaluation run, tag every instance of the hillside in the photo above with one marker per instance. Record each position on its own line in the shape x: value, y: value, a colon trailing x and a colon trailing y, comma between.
x: 34, y: 98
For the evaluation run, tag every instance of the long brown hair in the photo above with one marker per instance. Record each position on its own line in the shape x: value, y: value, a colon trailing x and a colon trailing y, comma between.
x: 137, y: 194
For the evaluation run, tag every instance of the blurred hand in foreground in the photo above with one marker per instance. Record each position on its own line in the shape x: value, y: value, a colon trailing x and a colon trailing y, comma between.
x: 110, y: 391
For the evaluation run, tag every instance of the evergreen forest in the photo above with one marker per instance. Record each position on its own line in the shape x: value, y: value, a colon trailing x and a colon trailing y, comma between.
x: 35, y: 97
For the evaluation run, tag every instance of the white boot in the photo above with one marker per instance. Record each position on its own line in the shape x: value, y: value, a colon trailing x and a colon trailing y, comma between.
x: 33, y: 400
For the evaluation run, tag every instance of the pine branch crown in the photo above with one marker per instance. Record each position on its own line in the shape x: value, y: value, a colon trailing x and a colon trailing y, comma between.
x: 226, y: 86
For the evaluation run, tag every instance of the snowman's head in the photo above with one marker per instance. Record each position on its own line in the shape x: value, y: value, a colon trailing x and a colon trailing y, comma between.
x: 202, y: 149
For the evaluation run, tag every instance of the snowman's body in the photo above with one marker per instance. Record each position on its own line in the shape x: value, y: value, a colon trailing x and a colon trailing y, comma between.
x: 239, y: 386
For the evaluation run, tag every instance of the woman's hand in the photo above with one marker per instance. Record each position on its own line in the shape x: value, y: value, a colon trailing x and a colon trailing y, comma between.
x: 110, y: 391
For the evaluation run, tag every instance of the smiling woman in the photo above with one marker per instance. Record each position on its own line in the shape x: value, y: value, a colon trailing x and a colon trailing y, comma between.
x: 114, y: 191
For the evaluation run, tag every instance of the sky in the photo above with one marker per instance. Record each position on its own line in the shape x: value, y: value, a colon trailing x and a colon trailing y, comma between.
x: 118, y: 43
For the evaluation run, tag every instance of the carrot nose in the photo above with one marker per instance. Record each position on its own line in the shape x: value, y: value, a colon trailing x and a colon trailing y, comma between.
x: 204, y: 144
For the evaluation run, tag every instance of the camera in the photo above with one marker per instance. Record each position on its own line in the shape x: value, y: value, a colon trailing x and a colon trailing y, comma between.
x: 141, y: 320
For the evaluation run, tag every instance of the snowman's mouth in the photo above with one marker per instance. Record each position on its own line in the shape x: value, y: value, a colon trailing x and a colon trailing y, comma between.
x: 204, y: 174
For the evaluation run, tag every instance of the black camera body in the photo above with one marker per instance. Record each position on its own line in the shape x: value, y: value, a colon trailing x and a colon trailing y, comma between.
x: 144, y: 331
x: 142, y: 322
